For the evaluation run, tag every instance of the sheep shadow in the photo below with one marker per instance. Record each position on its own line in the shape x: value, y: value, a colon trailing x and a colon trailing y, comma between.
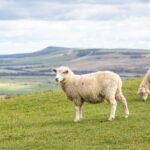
x: 84, y: 121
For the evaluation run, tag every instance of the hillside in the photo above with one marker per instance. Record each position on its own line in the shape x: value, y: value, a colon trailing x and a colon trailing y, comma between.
x: 45, y: 121
x: 124, y: 61
x: 33, y: 71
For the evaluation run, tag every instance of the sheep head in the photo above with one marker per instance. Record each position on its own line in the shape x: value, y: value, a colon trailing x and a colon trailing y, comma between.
x: 62, y: 73
x: 143, y: 94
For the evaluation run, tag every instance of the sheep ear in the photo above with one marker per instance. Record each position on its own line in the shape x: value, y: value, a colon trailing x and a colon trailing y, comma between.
x: 66, y: 71
x: 54, y: 70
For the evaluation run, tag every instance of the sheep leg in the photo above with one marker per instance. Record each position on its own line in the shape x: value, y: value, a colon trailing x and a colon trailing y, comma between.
x: 81, y: 115
x: 124, y: 105
x: 113, y: 110
x: 78, y: 108
x: 78, y: 113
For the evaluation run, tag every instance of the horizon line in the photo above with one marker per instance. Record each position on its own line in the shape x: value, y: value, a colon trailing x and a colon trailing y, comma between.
x: 117, y: 48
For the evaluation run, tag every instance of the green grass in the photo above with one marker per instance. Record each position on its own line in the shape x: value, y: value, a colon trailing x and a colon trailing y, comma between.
x: 44, y: 121
x: 25, y: 85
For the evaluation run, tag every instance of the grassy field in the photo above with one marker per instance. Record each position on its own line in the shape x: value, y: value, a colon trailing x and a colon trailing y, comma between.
x: 25, y: 84
x: 44, y: 121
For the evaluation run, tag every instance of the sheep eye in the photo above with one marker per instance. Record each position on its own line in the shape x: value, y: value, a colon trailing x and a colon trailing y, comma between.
x: 65, y: 72
x: 54, y: 70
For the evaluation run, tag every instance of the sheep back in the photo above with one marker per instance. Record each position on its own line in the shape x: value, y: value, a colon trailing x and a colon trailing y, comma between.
x: 94, y: 87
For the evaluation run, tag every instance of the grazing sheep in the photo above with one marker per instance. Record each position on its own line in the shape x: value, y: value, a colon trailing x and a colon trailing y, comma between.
x: 144, y: 88
x: 93, y: 88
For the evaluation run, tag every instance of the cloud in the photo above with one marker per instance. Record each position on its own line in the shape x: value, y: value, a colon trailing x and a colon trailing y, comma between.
x: 72, y: 10
x: 32, y: 25
x: 25, y: 36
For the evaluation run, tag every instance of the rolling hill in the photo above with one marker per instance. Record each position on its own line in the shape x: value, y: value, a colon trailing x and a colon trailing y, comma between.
x: 127, y: 62
x: 34, y: 70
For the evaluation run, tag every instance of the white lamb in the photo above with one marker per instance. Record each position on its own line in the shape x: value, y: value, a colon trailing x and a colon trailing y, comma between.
x: 144, y: 89
x: 93, y: 88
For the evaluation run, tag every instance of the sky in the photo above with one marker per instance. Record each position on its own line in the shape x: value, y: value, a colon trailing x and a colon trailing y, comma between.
x: 31, y: 25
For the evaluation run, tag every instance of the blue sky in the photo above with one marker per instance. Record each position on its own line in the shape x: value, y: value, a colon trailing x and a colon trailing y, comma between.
x: 30, y: 25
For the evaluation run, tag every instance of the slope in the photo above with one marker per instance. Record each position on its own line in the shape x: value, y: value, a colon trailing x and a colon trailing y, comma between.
x: 45, y: 121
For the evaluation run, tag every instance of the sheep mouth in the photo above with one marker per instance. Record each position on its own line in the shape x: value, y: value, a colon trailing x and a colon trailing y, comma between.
x: 56, y: 80
x: 142, y: 98
x: 62, y: 81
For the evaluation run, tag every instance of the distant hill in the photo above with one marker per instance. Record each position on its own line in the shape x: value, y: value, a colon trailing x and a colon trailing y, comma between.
x: 48, y: 50
x: 126, y: 62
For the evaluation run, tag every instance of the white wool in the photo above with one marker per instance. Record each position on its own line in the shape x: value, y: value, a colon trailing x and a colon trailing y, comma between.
x: 144, y: 88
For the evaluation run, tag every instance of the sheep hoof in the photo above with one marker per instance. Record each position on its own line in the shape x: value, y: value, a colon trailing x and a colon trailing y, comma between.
x: 76, y: 120
x: 126, y: 116
x: 111, y: 118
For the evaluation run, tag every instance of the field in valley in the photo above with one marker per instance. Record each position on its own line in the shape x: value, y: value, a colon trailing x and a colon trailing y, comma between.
x: 25, y: 84
x: 44, y: 120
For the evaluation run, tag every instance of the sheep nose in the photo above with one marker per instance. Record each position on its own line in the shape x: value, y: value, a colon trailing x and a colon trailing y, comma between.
x: 56, y: 79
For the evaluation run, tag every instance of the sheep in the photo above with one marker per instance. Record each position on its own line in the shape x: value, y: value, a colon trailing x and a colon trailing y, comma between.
x: 144, y: 88
x: 93, y: 88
